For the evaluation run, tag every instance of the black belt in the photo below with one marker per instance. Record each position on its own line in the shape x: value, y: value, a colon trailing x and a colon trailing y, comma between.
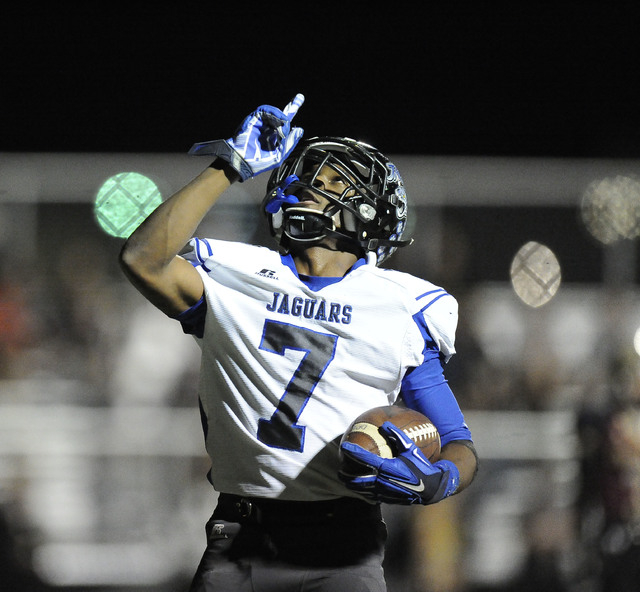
x: 262, y: 510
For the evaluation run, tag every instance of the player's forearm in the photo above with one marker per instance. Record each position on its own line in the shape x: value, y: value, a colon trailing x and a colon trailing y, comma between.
x: 156, y: 242
x: 462, y: 454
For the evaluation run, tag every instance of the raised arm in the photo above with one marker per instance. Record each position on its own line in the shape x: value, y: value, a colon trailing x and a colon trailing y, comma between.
x: 150, y: 257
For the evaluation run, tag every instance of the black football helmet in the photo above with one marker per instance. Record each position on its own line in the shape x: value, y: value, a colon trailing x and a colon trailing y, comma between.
x: 369, y: 215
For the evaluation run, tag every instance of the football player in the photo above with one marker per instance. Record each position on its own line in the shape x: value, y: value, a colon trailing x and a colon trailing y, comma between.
x: 296, y: 343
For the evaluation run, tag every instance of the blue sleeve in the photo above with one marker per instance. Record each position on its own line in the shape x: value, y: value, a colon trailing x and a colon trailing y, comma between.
x: 426, y: 390
x: 192, y: 319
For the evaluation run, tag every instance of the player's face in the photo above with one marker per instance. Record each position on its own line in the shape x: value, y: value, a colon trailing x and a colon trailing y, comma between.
x: 328, y: 180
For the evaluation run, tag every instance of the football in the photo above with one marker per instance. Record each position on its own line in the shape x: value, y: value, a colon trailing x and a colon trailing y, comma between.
x: 365, y: 432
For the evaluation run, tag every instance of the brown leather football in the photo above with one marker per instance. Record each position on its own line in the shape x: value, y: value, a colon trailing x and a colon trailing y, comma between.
x: 365, y: 432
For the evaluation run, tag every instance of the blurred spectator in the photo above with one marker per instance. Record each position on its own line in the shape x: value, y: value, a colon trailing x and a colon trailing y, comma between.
x: 609, y: 501
x: 16, y: 574
x: 16, y: 322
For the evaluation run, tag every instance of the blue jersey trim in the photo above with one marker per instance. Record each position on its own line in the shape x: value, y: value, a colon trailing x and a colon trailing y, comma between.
x: 202, y: 250
x: 429, y: 343
x: 435, y: 294
x: 316, y: 283
x: 192, y: 319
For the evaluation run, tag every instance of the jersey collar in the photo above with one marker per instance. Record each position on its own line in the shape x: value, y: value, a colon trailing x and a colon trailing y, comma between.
x: 317, y: 282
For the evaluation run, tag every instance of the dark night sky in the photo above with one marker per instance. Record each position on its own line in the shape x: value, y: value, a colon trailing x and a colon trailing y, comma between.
x: 536, y: 78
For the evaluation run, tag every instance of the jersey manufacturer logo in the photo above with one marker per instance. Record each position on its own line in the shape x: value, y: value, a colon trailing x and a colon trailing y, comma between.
x: 268, y: 273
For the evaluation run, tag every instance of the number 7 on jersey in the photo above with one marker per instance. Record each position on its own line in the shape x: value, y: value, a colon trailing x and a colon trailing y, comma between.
x: 282, y: 429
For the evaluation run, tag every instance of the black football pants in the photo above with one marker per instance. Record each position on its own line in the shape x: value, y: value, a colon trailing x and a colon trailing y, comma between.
x: 273, y: 546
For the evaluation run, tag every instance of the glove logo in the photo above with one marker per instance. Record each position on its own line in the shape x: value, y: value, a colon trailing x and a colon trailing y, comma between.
x: 417, y: 488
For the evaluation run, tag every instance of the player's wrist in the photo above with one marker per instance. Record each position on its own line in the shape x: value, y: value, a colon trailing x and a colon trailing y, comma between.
x: 225, y: 152
x: 219, y: 164
x: 452, y: 474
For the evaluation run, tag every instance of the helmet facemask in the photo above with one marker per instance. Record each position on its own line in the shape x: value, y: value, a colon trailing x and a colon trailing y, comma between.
x: 368, y: 215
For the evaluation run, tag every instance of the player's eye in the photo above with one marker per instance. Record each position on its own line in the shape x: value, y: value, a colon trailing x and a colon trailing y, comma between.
x: 338, y: 180
x: 336, y: 183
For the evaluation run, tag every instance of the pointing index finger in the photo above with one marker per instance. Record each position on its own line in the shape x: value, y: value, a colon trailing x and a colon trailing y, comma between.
x: 292, y: 108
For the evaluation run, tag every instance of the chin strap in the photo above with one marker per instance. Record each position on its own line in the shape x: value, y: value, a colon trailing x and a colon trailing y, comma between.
x: 374, y: 243
x: 326, y: 228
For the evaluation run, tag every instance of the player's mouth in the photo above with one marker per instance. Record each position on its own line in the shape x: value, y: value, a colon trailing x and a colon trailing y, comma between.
x: 307, y: 197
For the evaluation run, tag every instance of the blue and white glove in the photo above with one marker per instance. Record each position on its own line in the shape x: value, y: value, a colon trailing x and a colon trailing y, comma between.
x: 408, y: 478
x: 264, y: 139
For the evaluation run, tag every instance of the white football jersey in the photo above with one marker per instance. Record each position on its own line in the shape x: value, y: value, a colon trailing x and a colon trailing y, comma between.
x: 286, y: 368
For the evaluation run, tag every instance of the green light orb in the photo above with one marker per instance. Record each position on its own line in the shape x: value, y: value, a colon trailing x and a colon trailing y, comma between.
x: 124, y: 201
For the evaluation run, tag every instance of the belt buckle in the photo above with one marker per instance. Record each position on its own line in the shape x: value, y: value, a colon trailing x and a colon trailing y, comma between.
x: 244, y: 507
